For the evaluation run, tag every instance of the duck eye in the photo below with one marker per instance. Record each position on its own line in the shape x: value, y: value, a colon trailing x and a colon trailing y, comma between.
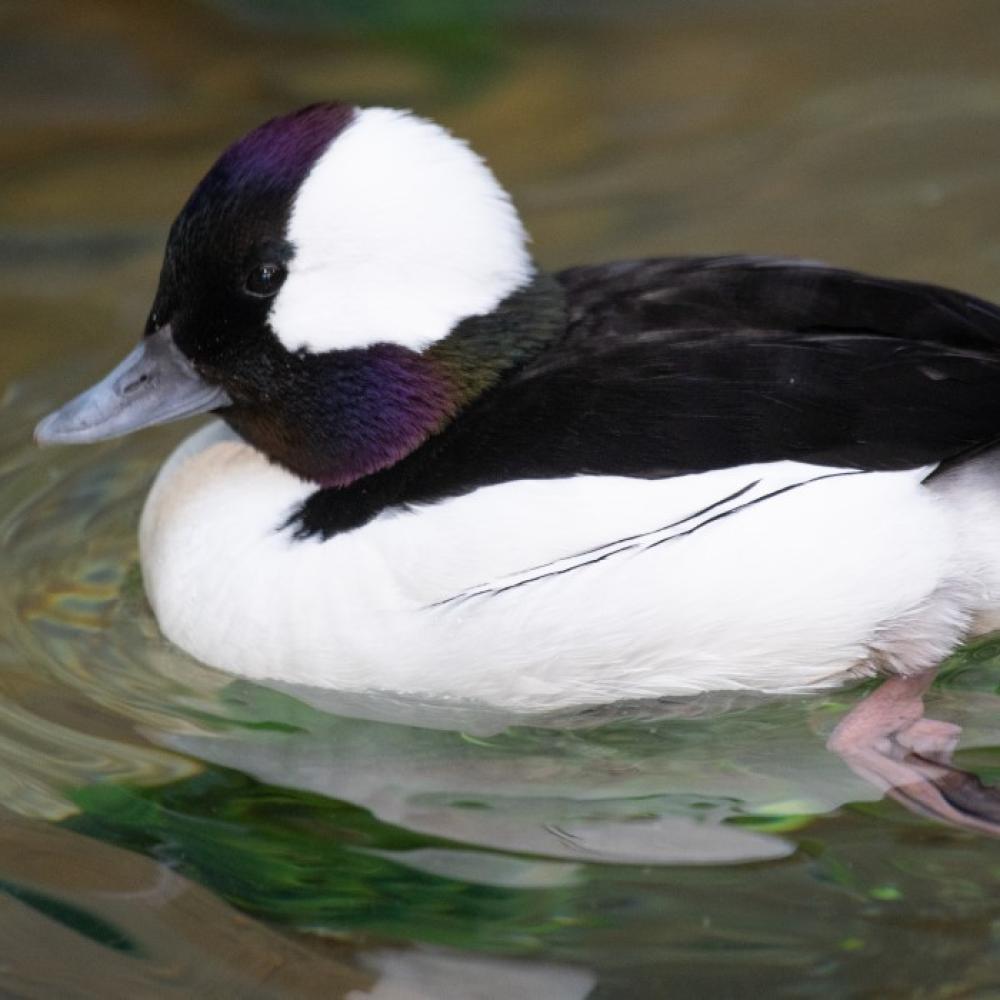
x: 264, y: 279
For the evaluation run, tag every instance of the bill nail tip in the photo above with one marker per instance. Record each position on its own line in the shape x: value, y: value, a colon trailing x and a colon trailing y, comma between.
x: 42, y: 435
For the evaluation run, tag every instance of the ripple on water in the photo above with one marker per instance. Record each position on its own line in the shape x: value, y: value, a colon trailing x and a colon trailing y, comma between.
x: 83, y: 666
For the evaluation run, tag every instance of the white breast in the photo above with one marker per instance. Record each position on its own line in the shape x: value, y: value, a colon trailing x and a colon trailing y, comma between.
x: 535, y: 595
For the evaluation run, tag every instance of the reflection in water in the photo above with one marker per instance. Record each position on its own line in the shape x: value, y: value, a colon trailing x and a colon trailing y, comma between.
x: 702, y: 844
x: 82, y: 918
x: 117, y: 924
x: 436, y: 975
x: 576, y: 798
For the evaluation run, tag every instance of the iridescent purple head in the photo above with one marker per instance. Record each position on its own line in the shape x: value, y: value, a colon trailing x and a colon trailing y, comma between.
x: 272, y: 160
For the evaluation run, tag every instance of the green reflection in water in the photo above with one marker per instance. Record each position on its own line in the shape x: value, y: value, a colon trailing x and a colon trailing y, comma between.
x: 310, y: 861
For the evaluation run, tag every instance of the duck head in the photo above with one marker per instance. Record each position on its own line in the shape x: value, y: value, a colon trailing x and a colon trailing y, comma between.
x: 316, y: 292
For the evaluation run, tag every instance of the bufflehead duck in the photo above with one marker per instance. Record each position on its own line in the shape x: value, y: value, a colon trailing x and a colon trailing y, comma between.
x: 444, y: 472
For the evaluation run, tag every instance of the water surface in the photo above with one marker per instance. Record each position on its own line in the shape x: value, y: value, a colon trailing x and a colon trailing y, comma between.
x: 168, y: 831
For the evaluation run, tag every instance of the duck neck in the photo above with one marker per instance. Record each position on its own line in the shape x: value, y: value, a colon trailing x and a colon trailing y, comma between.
x: 338, y: 417
x: 481, y: 350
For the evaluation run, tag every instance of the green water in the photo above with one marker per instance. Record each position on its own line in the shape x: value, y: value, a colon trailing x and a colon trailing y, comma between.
x: 165, y: 831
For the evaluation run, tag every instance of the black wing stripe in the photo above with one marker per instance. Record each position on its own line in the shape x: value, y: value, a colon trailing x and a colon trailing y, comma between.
x: 636, y: 540
x: 757, y: 500
x: 618, y: 541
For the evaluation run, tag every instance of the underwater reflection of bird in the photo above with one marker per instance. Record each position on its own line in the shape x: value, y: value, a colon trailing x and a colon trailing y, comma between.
x: 443, y: 472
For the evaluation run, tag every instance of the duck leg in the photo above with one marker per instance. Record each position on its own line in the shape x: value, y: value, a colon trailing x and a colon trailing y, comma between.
x: 886, y: 740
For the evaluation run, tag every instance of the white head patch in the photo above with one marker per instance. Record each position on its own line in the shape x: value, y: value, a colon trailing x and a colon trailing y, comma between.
x: 399, y: 231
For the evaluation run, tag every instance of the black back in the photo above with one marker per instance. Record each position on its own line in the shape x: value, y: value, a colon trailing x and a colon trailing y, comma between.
x: 682, y: 365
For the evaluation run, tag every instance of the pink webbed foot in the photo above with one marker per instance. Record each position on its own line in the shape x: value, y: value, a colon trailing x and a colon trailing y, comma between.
x: 886, y: 740
x: 931, y: 739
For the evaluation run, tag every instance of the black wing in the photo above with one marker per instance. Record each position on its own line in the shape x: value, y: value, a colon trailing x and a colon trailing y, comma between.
x: 681, y: 365
x: 756, y: 359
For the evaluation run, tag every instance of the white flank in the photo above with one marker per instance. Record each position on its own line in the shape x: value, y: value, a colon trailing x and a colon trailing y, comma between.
x: 807, y: 577
x: 400, y: 231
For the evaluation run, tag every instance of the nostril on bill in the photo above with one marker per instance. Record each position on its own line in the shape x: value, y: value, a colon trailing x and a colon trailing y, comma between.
x: 135, y: 384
